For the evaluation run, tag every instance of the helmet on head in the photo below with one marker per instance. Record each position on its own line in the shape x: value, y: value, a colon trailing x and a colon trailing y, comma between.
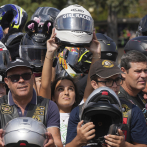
x: 33, y: 49
x: 4, y: 57
x: 24, y: 131
x: 142, y: 27
x: 108, y: 47
x: 42, y: 20
x: 77, y: 25
x: 103, y: 108
x: 12, y: 16
x: 137, y: 43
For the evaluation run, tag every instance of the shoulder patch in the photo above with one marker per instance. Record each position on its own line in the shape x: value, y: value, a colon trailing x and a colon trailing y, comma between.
x: 6, y: 109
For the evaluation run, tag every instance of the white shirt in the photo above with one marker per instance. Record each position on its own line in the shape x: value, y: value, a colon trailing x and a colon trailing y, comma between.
x: 64, y: 117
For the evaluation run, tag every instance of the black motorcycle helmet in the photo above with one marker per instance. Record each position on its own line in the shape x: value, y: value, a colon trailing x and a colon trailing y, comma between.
x: 12, y: 42
x: 42, y: 21
x: 142, y: 27
x: 108, y: 51
x: 39, y: 29
x: 33, y: 48
x: 4, y: 57
x: 84, y: 62
x: 103, y: 108
x: 12, y: 16
x: 137, y: 43
x: 108, y: 47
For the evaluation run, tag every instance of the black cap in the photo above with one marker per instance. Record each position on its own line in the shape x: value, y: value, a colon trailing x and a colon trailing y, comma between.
x: 18, y: 62
x: 104, y: 69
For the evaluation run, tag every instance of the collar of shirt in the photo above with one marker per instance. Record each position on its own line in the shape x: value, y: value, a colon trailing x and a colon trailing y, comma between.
x: 33, y: 101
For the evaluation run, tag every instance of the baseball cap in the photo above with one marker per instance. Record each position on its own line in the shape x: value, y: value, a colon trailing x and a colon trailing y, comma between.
x: 104, y: 68
x: 18, y: 62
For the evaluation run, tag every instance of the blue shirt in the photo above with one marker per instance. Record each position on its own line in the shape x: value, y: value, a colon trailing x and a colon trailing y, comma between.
x: 138, y: 128
x: 53, y: 116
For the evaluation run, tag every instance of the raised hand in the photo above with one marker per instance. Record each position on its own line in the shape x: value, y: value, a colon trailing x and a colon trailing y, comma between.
x: 51, y: 45
x: 95, y: 46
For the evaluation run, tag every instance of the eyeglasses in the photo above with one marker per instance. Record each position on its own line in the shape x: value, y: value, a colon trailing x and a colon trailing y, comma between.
x: 110, y: 82
x: 15, y: 78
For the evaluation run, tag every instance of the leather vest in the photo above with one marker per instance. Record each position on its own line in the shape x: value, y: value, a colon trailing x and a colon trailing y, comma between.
x: 127, y: 114
x: 137, y: 102
x: 38, y: 112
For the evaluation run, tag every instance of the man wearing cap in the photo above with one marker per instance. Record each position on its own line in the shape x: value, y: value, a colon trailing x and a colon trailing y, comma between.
x: 107, y: 73
x: 23, y: 101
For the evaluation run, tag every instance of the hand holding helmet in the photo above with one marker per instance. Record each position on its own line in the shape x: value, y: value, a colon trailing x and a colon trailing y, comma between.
x: 95, y: 46
x: 85, y: 132
x: 103, y: 108
x: 51, y: 45
x: 117, y: 140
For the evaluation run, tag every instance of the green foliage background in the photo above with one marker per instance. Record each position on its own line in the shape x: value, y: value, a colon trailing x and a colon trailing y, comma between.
x: 125, y: 8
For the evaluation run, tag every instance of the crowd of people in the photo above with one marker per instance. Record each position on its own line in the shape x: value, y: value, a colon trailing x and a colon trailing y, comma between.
x: 62, y: 73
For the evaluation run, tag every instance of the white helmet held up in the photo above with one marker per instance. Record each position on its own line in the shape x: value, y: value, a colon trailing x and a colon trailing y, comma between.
x: 74, y: 26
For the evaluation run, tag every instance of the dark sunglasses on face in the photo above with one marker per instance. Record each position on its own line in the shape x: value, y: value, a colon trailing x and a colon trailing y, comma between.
x: 15, y: 78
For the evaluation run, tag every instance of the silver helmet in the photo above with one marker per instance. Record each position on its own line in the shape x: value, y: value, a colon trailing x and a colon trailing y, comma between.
x: 24, y: 131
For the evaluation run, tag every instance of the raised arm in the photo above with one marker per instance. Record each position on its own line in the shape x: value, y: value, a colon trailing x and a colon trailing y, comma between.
x: 95, y: 48
x: 45, y: 89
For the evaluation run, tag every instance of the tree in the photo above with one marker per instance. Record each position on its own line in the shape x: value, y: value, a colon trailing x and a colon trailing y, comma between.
x: 113, y: 7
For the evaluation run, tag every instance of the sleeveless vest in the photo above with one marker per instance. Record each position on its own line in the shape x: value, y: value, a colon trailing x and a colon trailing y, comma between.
x: 138, y: 103
x: 38, y: 112
x: 127, y: 114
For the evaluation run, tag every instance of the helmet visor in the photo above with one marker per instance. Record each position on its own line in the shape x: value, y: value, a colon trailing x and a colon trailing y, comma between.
x: 75, y: 22
x: 4, y: 59
x: 72, y: 58
x: 34, y: 54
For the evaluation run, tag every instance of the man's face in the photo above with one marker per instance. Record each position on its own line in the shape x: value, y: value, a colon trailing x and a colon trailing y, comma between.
x: 136, y: 76
x: 21, y: 88
x: 114, y: 87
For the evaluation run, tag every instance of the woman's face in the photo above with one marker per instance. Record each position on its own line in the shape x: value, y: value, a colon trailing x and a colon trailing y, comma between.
x: 64, y: 95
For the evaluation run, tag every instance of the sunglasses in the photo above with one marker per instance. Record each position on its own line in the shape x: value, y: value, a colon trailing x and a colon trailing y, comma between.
x: 15, y: 78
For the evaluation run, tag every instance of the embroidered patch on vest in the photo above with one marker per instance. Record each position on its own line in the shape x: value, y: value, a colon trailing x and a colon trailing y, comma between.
x: 39, y: 110
x: 125, y: 110
x: 6, y: 109
x: 36, y: 117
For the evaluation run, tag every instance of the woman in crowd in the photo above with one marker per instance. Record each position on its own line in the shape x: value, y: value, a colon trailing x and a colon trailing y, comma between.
x: 64, y: 91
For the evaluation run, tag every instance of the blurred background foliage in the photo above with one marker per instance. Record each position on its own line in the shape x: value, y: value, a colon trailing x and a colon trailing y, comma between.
x: 98, y: 8
x: 101, y: 10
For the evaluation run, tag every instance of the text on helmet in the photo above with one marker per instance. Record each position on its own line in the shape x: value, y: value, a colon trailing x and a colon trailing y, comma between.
x: 76, y: 15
